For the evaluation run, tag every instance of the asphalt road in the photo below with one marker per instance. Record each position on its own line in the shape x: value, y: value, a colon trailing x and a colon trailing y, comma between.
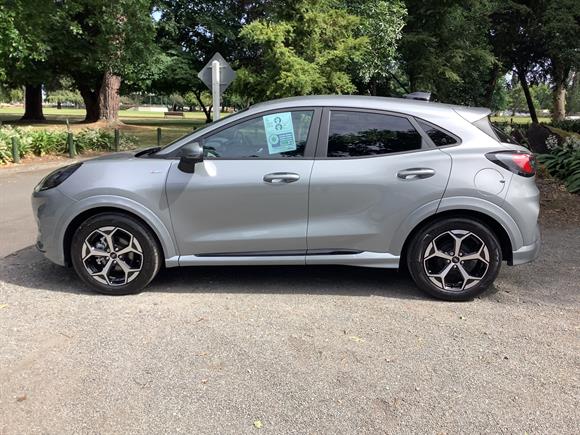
x: 290, y: 349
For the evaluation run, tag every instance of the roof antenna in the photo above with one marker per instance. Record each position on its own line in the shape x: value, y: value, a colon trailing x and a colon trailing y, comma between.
x: 423, y: 96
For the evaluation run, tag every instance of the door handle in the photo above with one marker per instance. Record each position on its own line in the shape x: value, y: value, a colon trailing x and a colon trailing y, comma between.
x: 281, y: 177
x: 415, y: 173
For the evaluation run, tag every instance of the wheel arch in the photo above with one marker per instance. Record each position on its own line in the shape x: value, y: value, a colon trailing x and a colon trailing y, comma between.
x: 494, y: 225
x: 87, y: 213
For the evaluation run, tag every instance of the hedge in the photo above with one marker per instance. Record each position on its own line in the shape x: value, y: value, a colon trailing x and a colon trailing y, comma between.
x: 40, y: 142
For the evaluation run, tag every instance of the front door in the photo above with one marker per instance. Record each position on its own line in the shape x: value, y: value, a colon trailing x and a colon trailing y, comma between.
x: 249, y: 197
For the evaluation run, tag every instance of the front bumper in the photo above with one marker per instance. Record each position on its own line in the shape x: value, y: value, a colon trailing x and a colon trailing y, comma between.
x: 49, y: 208
x: 527, y: 253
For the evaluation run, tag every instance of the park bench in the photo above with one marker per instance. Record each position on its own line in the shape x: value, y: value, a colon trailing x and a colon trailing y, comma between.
x: 171, y: 113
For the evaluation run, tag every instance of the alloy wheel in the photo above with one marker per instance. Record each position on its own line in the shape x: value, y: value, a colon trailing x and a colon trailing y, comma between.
x: 456, y: 260
x: 112, y: 256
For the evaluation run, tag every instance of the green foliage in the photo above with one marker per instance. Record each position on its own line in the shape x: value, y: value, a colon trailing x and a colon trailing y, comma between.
x: 542, y: 95
x: 24, y: 42
x: 516, y: 100
x: 64, y: 95
x: 445, y: 50
x: 308, y: 50
x: 42, y: 142
x: 563, y: 162
x: 381, y: 22
x: 500, y: 97
x: 11, y: 95
x: 568, y: 125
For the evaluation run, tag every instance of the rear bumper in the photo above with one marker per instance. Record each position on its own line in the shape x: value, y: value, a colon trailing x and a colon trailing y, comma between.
x: 527, y: 253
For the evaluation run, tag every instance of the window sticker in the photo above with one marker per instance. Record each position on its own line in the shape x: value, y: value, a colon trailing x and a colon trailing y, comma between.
x: 280, y: 132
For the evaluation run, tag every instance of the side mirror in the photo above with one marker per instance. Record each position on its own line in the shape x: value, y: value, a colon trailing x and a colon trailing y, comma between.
x: 189, y: 155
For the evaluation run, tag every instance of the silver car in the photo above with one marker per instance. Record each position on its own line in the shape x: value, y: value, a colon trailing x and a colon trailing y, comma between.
x: 348, y: 180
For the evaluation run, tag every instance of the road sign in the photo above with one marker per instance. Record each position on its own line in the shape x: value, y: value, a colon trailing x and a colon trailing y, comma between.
x: 217, y: 75
x: 226, y: 73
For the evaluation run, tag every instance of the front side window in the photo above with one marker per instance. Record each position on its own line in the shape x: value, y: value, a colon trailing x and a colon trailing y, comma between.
x: 356, y: 134
x: 275, y: 135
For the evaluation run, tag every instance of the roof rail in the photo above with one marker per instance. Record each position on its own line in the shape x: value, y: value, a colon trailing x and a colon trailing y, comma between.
x: 424, y: 96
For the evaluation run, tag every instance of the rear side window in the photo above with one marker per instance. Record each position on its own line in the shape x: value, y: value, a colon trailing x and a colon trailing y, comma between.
x: 438, y: 136
x: 356, y: 134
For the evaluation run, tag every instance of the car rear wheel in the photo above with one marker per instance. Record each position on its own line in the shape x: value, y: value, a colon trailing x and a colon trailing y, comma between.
x: 115, y: 254
x: 454, y: 259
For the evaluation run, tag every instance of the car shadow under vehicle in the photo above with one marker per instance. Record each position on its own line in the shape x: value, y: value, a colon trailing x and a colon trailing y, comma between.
x: 29, y: 269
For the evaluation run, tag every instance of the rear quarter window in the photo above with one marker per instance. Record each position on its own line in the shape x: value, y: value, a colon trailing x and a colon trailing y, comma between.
x: 439, y: 137
x: 485, y: 125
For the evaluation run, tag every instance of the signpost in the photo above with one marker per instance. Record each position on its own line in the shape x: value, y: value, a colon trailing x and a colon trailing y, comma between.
x: 217, y: 75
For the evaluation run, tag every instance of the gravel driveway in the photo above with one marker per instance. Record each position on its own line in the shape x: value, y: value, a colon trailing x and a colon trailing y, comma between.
x: 291, y: 350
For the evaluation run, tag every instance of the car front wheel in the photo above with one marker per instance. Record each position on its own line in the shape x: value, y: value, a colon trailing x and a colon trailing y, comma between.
x: 454, y: 259
x: 115, y: 254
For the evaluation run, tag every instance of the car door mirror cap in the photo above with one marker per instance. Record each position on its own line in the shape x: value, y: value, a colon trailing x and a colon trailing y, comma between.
x: 189, y: 155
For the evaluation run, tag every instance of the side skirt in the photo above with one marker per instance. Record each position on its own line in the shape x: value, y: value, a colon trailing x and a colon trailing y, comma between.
x: 362, y: 259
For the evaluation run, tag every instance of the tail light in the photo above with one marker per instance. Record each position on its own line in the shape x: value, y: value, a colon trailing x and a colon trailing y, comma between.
x: 519, y: 162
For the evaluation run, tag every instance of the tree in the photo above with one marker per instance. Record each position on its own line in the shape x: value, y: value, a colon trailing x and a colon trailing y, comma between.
x: 516, y: 99
x: 381, y: 22
x: 519, y: 42
x: 445, y: 50
x: 99, y: 43
x: 542, y: 95
x: 191, y: 32
x: 573, y: 95
x: 62, y: 90
x: 305, y: 48
x: 561, y: 24
x: 24, y: 50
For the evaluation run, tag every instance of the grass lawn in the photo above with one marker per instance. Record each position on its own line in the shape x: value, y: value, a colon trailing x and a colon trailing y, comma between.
x: 142, y: 125
x: 518, y: 119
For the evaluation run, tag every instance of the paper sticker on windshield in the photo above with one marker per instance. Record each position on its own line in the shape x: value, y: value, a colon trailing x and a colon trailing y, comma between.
x: 280, y: 133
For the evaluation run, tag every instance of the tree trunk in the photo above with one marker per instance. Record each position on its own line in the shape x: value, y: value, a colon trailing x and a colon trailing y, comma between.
x: 91, y: 100
x: 491, y: 84
x: 526, y: 89
x: 109, y: 100
x: 559, y: 95
x: 559, y: 110
x: 206, y: 110
x: 33, y: 104
x: 373, y: 87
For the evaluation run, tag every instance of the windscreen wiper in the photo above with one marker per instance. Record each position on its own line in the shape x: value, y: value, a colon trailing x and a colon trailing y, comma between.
x: 147, y: 151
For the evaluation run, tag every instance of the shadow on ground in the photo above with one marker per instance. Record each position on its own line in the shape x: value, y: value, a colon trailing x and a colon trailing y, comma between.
x: 28, y: 268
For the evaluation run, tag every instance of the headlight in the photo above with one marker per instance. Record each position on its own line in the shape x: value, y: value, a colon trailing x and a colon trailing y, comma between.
x: 56, y: 177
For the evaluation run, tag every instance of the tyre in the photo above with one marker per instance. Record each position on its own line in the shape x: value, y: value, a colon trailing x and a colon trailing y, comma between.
x: 454, y: 259
x: 115, y: 254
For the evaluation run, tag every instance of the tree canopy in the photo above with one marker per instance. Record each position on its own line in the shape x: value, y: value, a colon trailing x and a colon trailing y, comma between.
x: 475, y: 52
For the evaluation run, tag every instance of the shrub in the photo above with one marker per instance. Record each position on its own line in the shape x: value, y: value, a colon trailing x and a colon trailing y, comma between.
x: 46, y: 141
x: 568, y: 125
x: 6, y: 135
x: 93, y: 140
x: 42, y: 142
x: 563, y: 161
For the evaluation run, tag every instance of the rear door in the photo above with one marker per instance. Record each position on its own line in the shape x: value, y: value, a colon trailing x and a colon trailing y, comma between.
x: 372, y: 171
